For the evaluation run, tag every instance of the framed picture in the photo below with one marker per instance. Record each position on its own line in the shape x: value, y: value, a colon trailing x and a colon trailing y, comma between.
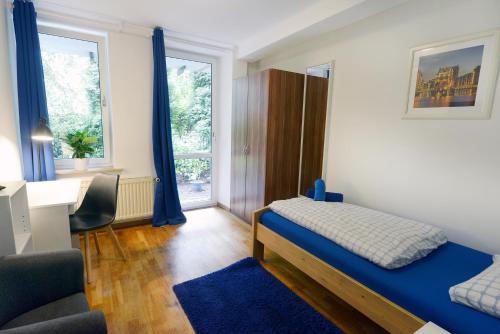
x: 454, y: 79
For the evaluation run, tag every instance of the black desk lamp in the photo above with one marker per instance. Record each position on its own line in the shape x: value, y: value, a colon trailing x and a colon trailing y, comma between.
x: 42, y: 131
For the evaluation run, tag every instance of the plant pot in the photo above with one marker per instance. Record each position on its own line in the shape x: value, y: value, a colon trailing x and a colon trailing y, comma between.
x: 81, y: 164
x: 197, y: 186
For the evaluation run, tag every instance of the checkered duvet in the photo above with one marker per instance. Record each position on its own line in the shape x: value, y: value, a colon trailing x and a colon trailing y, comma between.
x: 387, y: 240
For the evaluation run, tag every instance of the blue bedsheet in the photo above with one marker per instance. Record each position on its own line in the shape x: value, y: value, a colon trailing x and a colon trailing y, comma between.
x: 421, y: 287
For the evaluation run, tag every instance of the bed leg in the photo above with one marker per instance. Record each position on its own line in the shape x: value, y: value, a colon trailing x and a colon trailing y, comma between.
x: 258, y: 250
x: 257, y: 246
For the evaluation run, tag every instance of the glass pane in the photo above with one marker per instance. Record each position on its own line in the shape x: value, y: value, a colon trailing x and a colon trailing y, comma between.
x: 194, y: 179
x: 190, y: 92
x: 71, y: 71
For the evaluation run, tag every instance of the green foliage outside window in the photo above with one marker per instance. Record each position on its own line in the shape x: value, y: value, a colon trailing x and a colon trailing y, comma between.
x: 74, y: 99
x: 190, y: 96
x: 190, y: 110
x: 192, y: 169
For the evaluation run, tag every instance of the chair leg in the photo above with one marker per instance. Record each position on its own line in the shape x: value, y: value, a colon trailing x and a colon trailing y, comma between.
x: 116, y: 242
x: 87, y: 257
x: 97, y: 243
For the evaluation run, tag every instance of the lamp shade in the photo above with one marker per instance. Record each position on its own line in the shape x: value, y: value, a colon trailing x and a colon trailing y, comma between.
x: 42, y: 131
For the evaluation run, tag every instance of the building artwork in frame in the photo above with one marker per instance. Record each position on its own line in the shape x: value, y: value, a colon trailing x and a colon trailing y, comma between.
x: 454, y: 79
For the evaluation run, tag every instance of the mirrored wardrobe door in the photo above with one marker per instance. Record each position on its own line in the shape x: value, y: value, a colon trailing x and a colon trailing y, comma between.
x: 318, y: 79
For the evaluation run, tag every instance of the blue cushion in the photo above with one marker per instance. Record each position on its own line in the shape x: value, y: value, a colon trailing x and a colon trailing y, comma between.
x: 319, y: 190
x: 329, y: 197
x: 421, y: 287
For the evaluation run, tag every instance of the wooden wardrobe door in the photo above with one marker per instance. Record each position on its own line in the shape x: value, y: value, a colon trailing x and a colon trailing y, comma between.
x: 284, y: 125
x: 258, y: 91
x: 314, y: 132
x: 238, y: 143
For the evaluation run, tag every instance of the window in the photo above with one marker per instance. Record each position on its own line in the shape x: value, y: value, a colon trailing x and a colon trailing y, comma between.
x: 190, y: 81
x: 74, y: 83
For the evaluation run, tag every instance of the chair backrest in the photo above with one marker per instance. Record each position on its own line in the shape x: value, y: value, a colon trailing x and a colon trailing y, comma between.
x: 101, y: 197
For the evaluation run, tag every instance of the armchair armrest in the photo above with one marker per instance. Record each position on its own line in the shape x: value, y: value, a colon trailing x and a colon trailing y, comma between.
x: 82, y: 323
x: 30, y: 280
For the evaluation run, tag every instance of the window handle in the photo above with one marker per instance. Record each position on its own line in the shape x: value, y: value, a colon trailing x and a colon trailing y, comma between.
x: 104, y: 103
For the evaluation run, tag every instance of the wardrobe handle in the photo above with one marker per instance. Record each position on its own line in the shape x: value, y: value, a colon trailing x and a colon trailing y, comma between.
x: 246, y: 150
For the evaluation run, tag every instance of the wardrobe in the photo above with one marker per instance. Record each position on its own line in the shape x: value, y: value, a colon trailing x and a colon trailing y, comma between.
x: 266, y: 139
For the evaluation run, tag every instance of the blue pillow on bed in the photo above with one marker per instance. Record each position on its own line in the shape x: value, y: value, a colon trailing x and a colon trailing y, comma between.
x: 319, y: 190
x: 330, y: 197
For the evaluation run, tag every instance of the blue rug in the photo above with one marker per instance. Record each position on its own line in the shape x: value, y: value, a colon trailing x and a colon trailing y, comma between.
x: 246, y: 298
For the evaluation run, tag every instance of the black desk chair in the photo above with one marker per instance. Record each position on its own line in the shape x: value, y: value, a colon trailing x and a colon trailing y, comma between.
x: 98, y: 211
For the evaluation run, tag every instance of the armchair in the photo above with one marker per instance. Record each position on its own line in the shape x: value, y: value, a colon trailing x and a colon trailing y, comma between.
x: 44, y: 293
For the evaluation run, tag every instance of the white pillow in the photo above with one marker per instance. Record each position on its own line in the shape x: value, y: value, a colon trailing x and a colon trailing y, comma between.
x: 482, y: 291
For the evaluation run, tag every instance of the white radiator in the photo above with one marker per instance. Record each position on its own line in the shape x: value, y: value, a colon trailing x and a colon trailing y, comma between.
x: 135, y: 197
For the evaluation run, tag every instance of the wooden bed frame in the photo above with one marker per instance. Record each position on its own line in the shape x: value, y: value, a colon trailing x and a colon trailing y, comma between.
x: 387, y: 314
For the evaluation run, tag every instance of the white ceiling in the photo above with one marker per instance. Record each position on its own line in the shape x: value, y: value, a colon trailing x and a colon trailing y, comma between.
x: 227, y: 21
x: 255, y: 27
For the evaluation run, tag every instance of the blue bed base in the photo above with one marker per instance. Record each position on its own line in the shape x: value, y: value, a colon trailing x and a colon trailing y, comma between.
x: 421, y: 287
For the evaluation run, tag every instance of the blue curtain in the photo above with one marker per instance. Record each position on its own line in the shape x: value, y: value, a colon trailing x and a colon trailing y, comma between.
x: 167, y: 208
x: 38, y: 159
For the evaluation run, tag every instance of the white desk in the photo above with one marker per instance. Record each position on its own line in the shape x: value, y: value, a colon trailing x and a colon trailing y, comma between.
x: 50, y: 204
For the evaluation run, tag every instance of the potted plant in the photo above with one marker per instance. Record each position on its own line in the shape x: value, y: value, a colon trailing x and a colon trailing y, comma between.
x: 198, y: 167
x: 81, y: 144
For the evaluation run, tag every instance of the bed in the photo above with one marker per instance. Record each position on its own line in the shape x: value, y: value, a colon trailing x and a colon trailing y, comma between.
x: 400, y: 300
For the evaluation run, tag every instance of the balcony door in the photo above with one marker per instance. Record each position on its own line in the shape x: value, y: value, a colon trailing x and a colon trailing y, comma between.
x: 190, y: 82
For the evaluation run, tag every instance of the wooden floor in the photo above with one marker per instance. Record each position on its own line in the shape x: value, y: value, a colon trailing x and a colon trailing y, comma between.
x: 136, y: 296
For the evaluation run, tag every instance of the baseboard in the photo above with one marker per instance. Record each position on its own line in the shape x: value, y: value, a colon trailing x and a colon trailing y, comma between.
x: 222, y: 206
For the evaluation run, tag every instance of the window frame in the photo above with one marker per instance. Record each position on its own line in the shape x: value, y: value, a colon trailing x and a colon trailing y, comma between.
x: 101, y: 40
x: 186, y: 55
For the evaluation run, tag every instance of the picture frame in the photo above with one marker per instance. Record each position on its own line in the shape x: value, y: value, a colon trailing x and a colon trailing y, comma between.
x: 454, y: 79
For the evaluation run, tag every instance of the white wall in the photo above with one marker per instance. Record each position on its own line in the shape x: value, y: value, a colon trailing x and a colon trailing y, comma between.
x: 240, y: 68
x: 223, y: 137
x: 446, y: 173
x: 10, y: 163
x: 131, y: 82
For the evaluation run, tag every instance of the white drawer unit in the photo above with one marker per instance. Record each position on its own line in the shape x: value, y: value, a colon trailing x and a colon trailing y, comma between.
x: 15, y: 228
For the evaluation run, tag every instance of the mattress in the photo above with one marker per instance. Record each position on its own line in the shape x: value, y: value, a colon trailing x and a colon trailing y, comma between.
x: 421, y: 287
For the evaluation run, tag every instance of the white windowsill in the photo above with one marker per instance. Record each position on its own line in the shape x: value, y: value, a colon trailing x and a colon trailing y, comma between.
x: 66, y: 173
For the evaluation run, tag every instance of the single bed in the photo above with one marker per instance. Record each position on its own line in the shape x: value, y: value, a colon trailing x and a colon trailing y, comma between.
x: 400, y: 300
